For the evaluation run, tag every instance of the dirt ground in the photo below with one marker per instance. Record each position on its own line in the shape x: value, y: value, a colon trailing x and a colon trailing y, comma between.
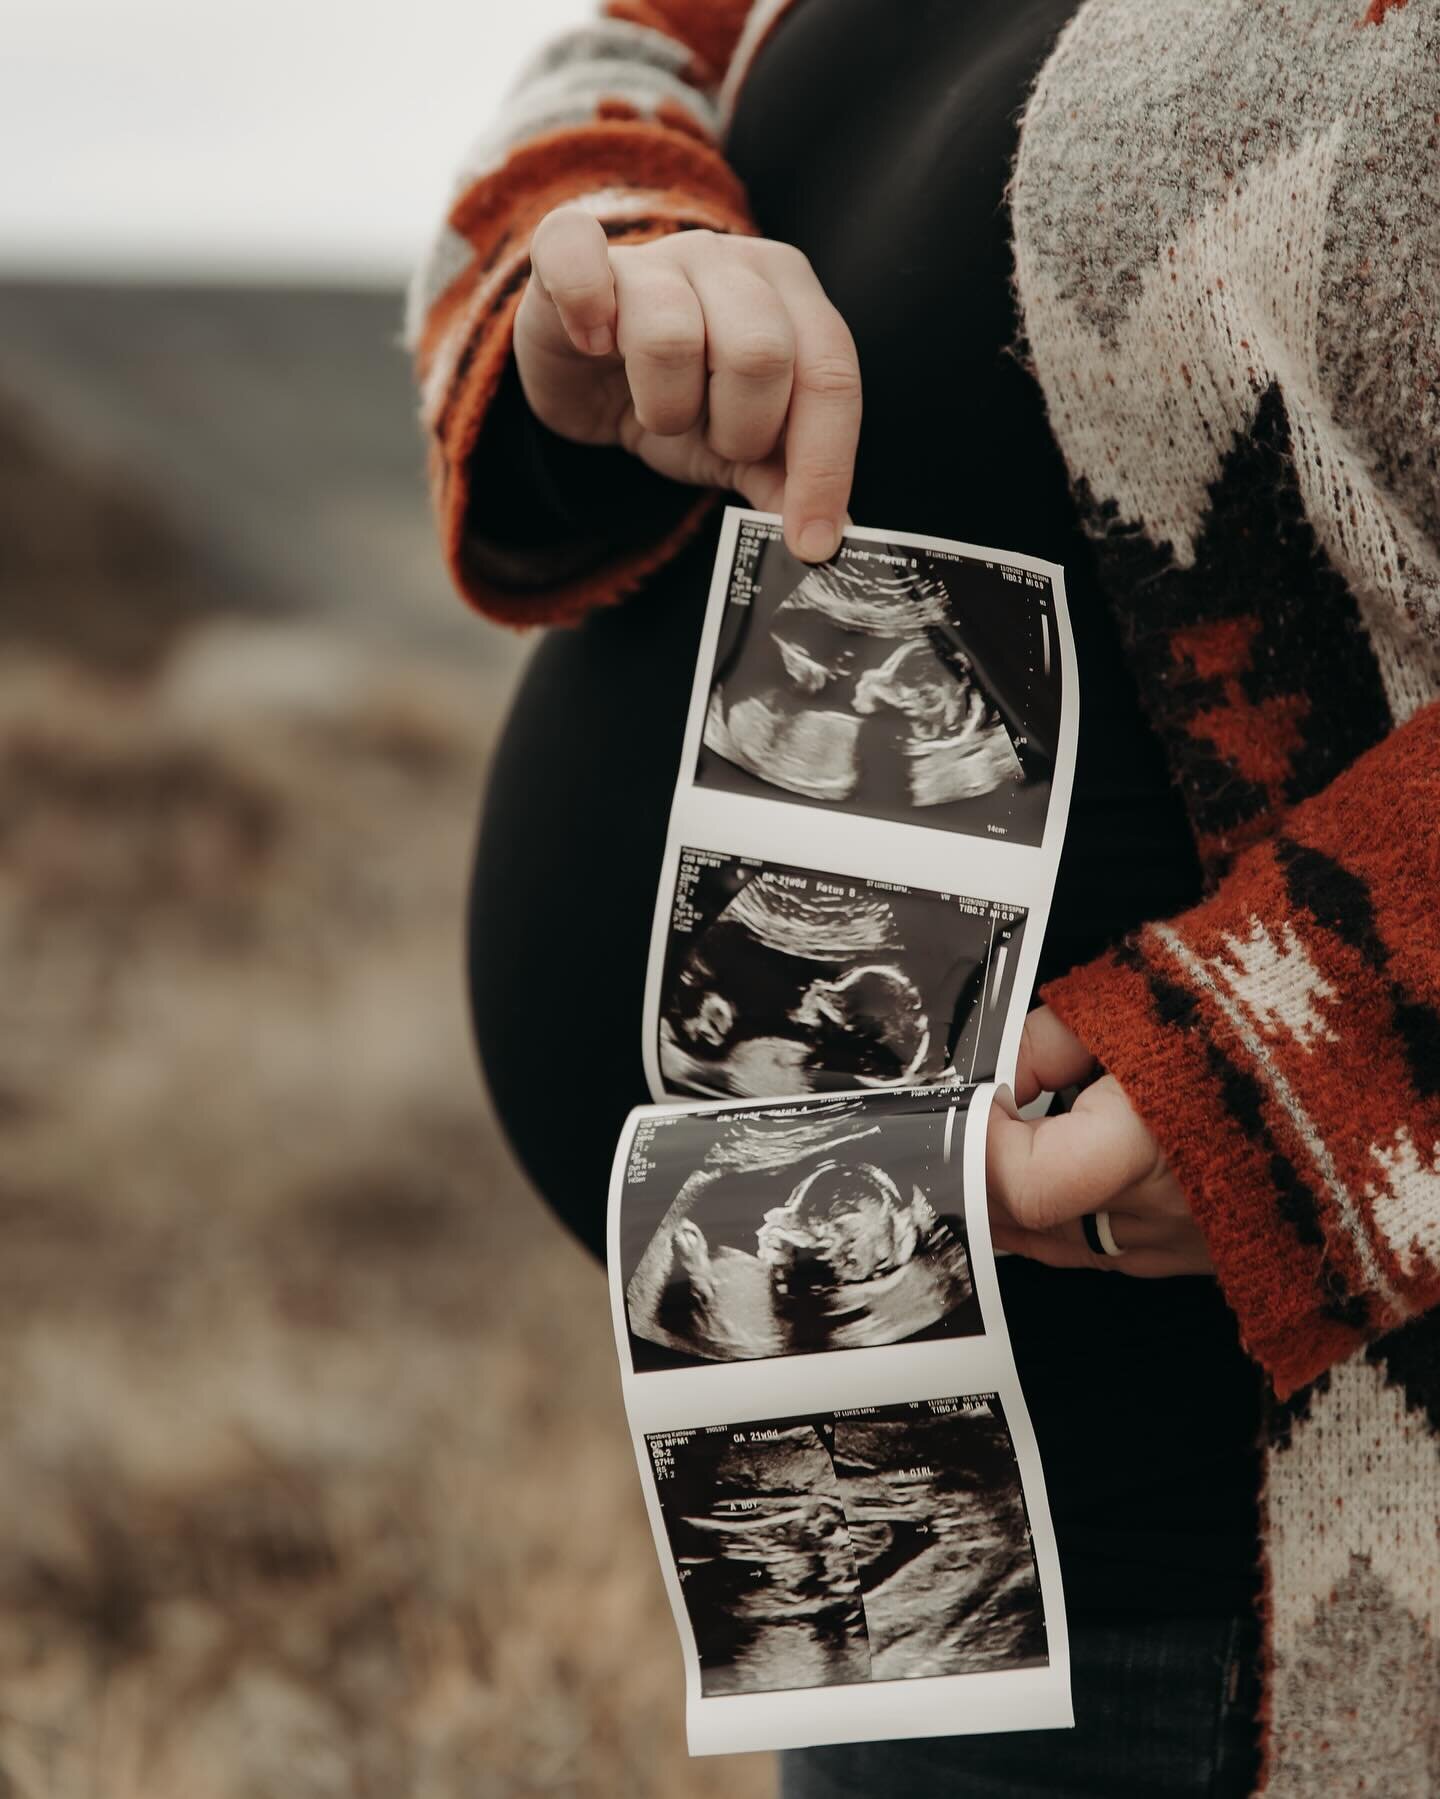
x: 315, y: 1481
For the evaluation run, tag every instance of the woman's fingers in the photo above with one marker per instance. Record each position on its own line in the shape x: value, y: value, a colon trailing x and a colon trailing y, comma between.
x: 1056, y: 1249
x: 717, y: 359
x: 1044, y: 1176
x: 773, y: 383
x: 1131, y: 1231
x: 783, y: 375
x: 572, y: 280
x: 660, y: 331
x: 823, y: 427
x: 1051, y: 1057
x: 1044, y: 1173
x: 761, y: 484
x: 750, y: 351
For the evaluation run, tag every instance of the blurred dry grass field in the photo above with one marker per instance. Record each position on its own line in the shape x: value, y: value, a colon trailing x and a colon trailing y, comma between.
x: 314, y: 1478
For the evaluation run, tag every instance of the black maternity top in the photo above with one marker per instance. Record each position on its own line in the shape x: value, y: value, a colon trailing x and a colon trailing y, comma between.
x: 878, y: 138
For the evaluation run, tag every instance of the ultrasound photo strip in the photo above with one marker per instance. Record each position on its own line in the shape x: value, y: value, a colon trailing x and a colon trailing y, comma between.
x: 877, y: 765
x: 842, y: 1479
x: 857, y: 874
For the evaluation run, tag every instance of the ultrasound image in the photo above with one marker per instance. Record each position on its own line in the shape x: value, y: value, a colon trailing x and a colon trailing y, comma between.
x: 941, y: 1541
x: 837, y: 1224
x: 761, y: 1544
x: 892, y: 681
x: 885, y: 1544
x: 779, y: 980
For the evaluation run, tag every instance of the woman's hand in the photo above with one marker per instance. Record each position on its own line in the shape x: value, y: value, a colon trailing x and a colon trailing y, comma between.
x: 1099, y: 1156
x: 717, y: 360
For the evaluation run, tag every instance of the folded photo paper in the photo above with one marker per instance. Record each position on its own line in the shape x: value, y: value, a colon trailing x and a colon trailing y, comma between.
x: 871, y: 801
x: 840, y: 1471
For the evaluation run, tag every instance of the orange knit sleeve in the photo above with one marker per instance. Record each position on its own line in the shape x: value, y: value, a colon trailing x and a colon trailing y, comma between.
x: 621, y: 117
x: 1282, y: 1041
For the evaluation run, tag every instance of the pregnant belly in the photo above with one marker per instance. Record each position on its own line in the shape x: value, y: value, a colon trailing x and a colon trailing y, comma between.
x: 566, y: 873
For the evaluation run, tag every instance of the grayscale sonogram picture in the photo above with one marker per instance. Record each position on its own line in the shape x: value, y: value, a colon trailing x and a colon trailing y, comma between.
x: 895, y: 681
x: 834, y: 1225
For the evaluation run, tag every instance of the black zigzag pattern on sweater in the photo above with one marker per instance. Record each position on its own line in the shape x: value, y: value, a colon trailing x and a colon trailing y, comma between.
x: 1257, y: 559
x: 1243, y: 1098
x: 1411, y: 1360
x: 1339, y: 900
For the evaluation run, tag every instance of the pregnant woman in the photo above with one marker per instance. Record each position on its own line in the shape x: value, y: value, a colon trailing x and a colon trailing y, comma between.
x: 1152, y: 291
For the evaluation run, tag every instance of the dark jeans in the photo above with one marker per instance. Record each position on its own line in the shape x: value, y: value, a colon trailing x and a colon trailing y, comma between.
x: 1163, y: 1710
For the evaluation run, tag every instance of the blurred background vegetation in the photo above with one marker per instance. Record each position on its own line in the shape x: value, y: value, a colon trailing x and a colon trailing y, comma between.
x: 298, y: 1384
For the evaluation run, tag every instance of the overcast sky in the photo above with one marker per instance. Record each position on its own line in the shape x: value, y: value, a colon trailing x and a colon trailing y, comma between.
x: 257, y: 139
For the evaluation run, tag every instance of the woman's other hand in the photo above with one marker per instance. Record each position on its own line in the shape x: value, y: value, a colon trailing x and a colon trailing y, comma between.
x: 1043, y: 1176
x: 717, y: 360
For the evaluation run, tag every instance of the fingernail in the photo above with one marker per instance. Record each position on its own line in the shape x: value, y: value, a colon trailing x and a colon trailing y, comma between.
x: 818, y: 540
x: 599, y: 341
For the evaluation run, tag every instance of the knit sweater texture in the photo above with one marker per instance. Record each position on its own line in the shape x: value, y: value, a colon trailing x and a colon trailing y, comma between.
x: 1226, y: 226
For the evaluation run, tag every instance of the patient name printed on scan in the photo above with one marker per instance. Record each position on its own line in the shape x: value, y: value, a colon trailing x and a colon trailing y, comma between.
x: 842, y: 1480
x: 841, y: 1475
x: 867, y: 818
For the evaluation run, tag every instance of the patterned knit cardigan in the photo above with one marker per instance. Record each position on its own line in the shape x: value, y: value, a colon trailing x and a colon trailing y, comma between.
x: 1226, y: 219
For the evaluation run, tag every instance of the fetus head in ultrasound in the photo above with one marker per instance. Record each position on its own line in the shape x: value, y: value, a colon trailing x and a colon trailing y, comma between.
x: 803, y: 1238
x: 787, y: 992
x: 841, y: 1224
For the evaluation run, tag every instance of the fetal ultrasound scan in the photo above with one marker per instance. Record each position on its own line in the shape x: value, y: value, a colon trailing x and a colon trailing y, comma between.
x: 779, y: 980
x: 858, y: 869
x: 895, y: 681
x: 888, y: 1543
x: 833, y: 1225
